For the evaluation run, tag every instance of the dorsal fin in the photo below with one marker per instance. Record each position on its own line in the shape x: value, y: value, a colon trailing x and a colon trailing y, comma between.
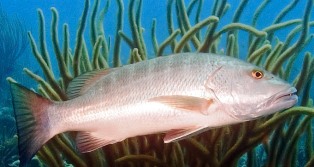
x: 82, y: 83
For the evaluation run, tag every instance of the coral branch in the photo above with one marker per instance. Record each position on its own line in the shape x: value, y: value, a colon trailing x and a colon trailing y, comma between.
x: 79, y: 40
x: 271, y: 123
x: 66, y: 47
x: 96, y: 51
x: 140, y: 158
x: 273, y: 54
x: 47, y: 88
x: 127, y: 39
x: 259, y: 52
x: 217, y: 11
x: 182, y: 13
x: 299, y: 44
x: 42, y: 38
x: 45, y: 68
x: 239, y: 11
x: 189, y: 34
x: 256, y: 15
x: 230, y: 45
x: 235, y: 26
x: 154, y: 38
x: 117, y: 43
x: 101, y: 31
x: 93, y: 29
x: 278, y: 26
x: 167, y: 42
x: 54, y: 34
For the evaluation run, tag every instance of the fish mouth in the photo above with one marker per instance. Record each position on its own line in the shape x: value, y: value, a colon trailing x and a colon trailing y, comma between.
x: 285, y: 98
x: 286, y: 95
x: 282, y: 100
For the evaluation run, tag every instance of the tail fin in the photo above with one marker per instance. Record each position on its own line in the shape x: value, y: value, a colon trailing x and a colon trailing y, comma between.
x: 31, y: 120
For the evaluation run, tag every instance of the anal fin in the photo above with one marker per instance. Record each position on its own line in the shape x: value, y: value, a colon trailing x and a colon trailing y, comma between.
x: 87, y: 142
x: 180, y: 134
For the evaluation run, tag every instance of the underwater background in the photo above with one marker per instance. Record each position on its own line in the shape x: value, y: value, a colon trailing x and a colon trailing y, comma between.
x: 41, y: 40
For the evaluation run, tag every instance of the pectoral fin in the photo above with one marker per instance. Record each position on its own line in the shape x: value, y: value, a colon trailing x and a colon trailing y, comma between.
x: 87, y: 142
x: 180, y: 134
x: 189, y: 103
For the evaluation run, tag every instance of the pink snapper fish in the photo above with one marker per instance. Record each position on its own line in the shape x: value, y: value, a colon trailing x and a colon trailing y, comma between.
x: 181, y: 95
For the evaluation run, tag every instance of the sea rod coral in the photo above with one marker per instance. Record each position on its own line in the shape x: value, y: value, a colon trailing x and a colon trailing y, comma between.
x: 279, y: 136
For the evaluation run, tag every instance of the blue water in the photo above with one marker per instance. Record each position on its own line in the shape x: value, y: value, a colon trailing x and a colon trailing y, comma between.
x: 70, y: 13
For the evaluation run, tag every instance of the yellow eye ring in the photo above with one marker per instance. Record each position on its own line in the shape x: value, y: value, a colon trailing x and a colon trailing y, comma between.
x: 257, y: 74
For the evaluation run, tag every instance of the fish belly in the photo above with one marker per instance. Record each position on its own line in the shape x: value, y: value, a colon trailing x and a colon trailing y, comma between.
x: 141, y: 119
x: 152, y: 118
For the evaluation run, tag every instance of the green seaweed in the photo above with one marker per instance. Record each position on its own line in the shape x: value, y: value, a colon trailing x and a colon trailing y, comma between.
x: 278, y: 135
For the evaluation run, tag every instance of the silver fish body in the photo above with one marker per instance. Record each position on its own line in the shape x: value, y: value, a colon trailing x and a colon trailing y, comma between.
x: 121, y: 100
x: 180, y: 95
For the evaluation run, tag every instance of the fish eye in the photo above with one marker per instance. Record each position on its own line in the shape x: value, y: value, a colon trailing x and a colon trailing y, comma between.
x: 257, y: 74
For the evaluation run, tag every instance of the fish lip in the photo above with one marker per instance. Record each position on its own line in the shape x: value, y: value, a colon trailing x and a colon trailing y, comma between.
x: 286, y: 95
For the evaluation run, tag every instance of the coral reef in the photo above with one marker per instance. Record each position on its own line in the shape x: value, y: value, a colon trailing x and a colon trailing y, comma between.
x: 8, y: 138
x: 279, y: 137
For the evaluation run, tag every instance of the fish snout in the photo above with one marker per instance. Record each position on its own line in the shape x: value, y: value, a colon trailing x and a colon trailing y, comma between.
x: 288, y: 95
x: 284, y: 99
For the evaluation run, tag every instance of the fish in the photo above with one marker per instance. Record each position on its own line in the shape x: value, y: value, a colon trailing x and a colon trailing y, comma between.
x: 181, y: 95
